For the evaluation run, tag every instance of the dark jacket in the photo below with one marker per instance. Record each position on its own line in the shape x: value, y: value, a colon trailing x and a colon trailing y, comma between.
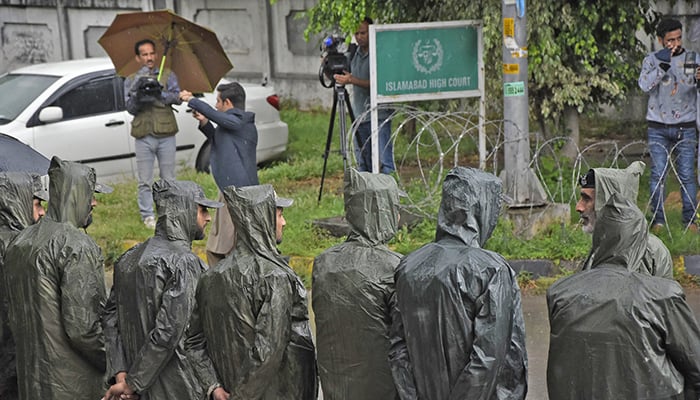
x: 233, y: 145
x: 253, y: 312
x: 56, y: 290
x: 619, y: 334
x: 353, y: 285
x: 16, y: 213
x: 151, y: 302
x: 457, y: 329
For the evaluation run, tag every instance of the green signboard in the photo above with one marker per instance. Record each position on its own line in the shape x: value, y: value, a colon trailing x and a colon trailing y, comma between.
x: 437, y: 59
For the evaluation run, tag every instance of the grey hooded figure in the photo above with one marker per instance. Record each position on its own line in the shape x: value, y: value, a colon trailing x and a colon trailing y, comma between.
x: 151, y: 302
x: 16, y: 213
x: 253, y: 311
x: 353, y: 286
x: 457, y: 327
x: 656, y: 260
x: 56, y: 290
x: 616, y: 333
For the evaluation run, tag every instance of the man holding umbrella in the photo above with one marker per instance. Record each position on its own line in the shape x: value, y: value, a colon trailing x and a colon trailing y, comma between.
x: 154, y: 125
x: 190, y: 51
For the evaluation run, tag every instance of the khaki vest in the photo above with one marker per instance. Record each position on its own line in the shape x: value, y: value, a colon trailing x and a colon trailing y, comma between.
x: 156, y: 118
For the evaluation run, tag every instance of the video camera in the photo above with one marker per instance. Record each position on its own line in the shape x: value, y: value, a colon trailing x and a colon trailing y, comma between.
x: 148, y: 89
x: 690, y: 66
x: 333, y: 59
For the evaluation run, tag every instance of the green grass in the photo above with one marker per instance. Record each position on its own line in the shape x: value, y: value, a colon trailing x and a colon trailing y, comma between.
x: 117, y: 225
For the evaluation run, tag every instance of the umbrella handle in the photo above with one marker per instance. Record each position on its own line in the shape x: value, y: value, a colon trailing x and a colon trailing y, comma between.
x: 165, y: 50
x: 160, y: 70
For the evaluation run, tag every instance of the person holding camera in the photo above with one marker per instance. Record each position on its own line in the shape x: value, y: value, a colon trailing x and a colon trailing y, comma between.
x: 154, y: 125
x: 358, y: 76
x: 669, y: 77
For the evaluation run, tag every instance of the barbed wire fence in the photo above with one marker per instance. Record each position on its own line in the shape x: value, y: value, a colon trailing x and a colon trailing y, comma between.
x: 427, y: 144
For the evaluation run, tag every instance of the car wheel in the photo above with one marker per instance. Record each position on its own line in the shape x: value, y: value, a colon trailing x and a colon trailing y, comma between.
x: 202, y: 164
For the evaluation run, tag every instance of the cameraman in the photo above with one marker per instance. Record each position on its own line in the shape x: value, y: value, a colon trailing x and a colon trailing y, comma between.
x: 671, y: 118
x: 359, y: 78
x: 154, y: 125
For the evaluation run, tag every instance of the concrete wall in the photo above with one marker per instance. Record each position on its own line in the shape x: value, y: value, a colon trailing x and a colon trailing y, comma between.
x: 264, y: 42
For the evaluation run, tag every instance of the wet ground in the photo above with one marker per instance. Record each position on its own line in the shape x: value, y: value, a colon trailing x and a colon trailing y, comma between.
x: 537, y: 331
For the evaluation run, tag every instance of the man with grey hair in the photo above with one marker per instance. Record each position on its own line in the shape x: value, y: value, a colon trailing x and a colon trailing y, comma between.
x: 598, y: 185
x: 232, y: 154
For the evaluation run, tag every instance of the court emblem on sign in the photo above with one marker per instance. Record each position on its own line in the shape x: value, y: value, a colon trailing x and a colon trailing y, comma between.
x: 427, y: 56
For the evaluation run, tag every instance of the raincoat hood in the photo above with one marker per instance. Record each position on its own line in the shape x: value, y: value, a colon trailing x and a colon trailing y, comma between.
x: 656, y: 260
x: 620, y: 234
x: 371, y: 206
x: 612, y: 180
x: 55, y: 284
x: 152, y: 300
x: 616, y: 333
x: 177, y: 210
x: 16, y: 202
x: 71, y: 188
x: 253, y: 212
x: 253, y: 309
x: 353, y: 288
x: 470, y: 206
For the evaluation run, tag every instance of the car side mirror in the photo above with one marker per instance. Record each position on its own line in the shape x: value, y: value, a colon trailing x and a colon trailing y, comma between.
x: 51, y: 114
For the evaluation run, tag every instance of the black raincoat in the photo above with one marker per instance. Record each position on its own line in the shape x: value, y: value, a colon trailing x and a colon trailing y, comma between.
x: 56, y: 290
x: 619, y: 334
x: 151, y: 302
x: 458, y: 330
x: 16, y: 213
x: 353, y: 284
x: 253, y: 311
x: 656, y: 260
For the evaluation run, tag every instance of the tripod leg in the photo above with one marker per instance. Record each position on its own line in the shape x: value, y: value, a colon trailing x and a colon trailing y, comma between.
x: 328, y: 143
x: 350, y: 113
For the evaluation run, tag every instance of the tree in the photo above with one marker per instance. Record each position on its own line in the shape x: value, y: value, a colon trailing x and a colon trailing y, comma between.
x: 582, y: 53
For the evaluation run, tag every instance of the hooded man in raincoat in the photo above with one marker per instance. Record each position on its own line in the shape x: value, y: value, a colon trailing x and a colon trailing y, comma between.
x: 458, y: 329
x: 619, y: 334
x: 20, y: 206
x: 56, y: 290
x: 353, y: 284
x: 252, y: 308
x: 597, y: 187
x: 151, y: 302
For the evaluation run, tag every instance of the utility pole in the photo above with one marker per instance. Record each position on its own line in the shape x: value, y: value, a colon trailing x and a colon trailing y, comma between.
x: 521, y: 183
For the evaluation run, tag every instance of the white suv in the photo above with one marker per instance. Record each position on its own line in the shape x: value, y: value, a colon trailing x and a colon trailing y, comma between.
x: 75, y: 110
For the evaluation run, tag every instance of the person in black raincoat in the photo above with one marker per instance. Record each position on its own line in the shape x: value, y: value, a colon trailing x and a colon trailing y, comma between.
x: 458, y: 329
x: 353, y: 283
x: 20, y: 206
x: 597, y: 186
x: 252, y: 308
x: 151, y: 302
x: 56, y: 290
x: 616, y: 333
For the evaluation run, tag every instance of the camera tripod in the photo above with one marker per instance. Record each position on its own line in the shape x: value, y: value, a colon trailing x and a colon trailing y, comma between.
x: 339, y: 101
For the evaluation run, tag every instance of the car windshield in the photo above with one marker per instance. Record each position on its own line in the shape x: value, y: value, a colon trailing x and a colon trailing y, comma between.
x: 20, y: 90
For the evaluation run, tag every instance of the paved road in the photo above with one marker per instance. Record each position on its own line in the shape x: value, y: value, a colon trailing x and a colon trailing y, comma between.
x: 537, y: 331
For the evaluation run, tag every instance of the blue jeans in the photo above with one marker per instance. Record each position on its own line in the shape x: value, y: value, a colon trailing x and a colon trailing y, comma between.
x: 681, y: 143
x: 147, y: 149
x: 363, y: 147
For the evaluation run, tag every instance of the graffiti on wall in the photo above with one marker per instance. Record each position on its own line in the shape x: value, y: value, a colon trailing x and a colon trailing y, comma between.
x: 24, y: 44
